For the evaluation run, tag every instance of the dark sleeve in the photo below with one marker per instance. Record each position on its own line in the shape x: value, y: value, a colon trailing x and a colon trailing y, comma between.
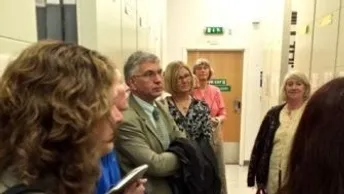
x: 257, y: 150
x: 206, y: 123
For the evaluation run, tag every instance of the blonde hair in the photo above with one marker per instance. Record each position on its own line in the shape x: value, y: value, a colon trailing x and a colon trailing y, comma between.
x: 195, y: 81
x: 299, y: 76
x: 202, y: 61
x: 171, y: 76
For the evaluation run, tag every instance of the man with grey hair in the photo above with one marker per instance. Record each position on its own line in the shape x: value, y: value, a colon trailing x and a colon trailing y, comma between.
x: 147, y: 129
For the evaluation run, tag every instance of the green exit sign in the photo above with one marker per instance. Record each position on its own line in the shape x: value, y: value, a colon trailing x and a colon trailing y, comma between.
x: 218, y: 82
x: 214, y: 30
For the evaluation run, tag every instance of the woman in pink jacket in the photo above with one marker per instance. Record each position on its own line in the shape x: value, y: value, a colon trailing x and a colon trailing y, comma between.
x: 213, y: 98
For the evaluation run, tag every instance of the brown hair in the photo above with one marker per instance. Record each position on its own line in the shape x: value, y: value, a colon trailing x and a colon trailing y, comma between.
x: 171, y: 76
x: 51, y: 96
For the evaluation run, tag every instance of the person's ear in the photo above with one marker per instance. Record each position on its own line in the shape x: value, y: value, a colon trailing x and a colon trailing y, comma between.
x: 131, y: 83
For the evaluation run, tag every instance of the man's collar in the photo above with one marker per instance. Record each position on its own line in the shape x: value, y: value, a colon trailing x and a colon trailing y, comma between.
x: 145, y: 105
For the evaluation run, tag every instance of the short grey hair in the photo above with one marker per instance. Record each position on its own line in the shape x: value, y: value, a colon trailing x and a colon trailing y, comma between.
x: 135, y: 60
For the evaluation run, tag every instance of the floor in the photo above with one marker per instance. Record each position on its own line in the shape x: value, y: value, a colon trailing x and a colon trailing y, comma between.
x: 236, y: 180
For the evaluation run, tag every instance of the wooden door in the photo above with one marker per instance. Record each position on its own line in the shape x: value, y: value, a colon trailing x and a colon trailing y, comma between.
x: 228, y: 66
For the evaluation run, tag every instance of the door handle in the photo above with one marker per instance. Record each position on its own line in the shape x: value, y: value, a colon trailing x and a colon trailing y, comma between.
x: 237, y: 105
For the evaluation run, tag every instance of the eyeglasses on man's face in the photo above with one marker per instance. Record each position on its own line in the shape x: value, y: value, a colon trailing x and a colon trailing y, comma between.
x: 150, y: 74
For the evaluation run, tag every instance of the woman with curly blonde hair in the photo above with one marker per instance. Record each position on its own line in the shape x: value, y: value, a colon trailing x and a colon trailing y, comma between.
x: 55, y: 117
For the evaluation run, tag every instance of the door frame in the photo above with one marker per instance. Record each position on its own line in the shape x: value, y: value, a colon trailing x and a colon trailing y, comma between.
x: 244, y: 96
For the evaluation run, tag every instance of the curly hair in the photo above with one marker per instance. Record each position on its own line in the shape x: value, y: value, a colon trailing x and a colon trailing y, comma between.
x: 51, y: 96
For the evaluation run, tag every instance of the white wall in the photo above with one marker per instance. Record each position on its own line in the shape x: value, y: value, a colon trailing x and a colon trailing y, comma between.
x: 113, y: 28
x: 157, y: 19
x: 99, y: 27
x: 17, y: 28
x: 87, y: 23
x: 275, y: 16
x: 103, y: 25
x: 276, y: 30
x: 17, y: 25
x: 109, y: 29
x: 185, y: 24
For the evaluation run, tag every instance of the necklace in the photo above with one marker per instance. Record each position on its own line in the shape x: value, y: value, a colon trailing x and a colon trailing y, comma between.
x: 185, y: 108
x: 183, y: 105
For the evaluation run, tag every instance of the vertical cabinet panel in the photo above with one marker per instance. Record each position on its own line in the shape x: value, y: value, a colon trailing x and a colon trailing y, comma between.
x: 324, y: 7
x: 325, y: 42
x: 142, y: 25
x: 304, y: 32
x: 340, y: 51
x: 129, y: 31
x: 109, y: 29
x: 303, y: 51
x: 324, y: 49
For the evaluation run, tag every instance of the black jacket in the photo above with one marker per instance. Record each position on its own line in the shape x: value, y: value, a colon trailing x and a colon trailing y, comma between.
x: 199, y: 171
x: 258, y: 169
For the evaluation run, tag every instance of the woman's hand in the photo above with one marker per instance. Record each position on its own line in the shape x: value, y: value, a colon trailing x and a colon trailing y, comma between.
x: 136, y: 188
x: 215, y: 121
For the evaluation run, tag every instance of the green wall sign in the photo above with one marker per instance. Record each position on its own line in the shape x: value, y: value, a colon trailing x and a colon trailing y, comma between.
x: 221, y: 84
x: 225, y: 88
x: 218, y: 82
x: 212, y: 30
